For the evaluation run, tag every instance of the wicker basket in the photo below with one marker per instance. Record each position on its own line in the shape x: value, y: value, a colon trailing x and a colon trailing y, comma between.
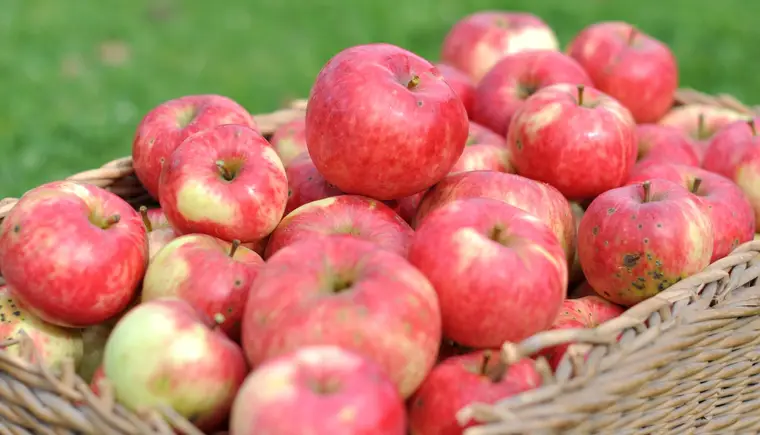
x: 688, y: 360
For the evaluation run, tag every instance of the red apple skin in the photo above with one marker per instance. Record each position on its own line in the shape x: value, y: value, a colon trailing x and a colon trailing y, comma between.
x: 64, y: 263
x: 663, y: 144
x: 460, y: 83
x: 160, y: 232
x: 687, y: 119
x: 289, y: 140
x: 504, y: 275
x: 303, y: 278
x: 258, y: 246
x: 631, y: 250
x: 575, y: 273
x: 729, y: 210
x: 332, y: 390
x: 483, y: 157
x: 581, y: 149
x: 515, y: 78
x: 370, y: 149
x: 198, y: 268
x: 747, y: 177
x: 406, y: 207
x: 478, y: 134
x: 457, y: 382
x: 478, y: 41
x: 196, y: 197
x: 97, y: 377
x: 306, y: 184
x: 729, y: 145
x: 636, y: 69
x: 167, y: 125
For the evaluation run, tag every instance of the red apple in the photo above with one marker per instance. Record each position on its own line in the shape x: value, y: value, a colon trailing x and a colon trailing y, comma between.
x: 98, y: 377
x: 226, y: 182
x: 306, y: 184
x: 406, y: 207
x: 160, y: 232
x: 700, y: 123
x: 258, y: 246
x: 477, y: 134
x: 289, y: 140
x: 165, y: 127
x: 214, y: 276
x: 343, y: 291
x: 503, y: 276
x: 629, y: 65
x: 747, y: 177
x: 663, y: 144
x: 637, y: 240
x: 460, y: 82
x: 374, y: 149
x: 73, y: 253
x: 462, y: 380
x: 729, y: 145
x: 483, y: 157
x: 164, y: 353
x: 729, y: 210
x: 515, y: 78
x: 575, y: 272
x: 478, y: 41
x: 332, y: 391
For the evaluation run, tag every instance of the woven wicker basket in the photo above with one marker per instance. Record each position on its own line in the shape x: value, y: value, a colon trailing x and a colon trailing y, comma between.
x: 688, y: 360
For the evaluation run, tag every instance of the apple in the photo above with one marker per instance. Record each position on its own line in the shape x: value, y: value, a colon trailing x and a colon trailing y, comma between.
x: 405, y: 141
x: 575, y: 138
x: 461, y: 380
x: 575, y: 273
x: 406, y: 207
x: 729, y: 145
x: 167, y: 125
x: 160, y: 232
x: 483, y: 157
x: 305, y: 183
x: 581, y: 290
x: 478, y: 134
x: 289, y: 140
x: 729, y: 210
x: 165, y: 353
x: 74, y: 253
x: 344, y: 291
x: 637, y: 240
x: 663, y: 144
x: 335, y: 391
x: 629, y: 65
x: 212, y: 275
x: 516, y: 77
x: 257, y: 246
x: 700, y: 122
x: 226, y: 182
x: 503, y: 274
x: 460, y: 82
x: 98, y: 377
x: 478, y: 41
x: 747, y: 177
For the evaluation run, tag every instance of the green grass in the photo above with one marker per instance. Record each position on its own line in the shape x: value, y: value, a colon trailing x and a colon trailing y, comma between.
x: 66, y: 107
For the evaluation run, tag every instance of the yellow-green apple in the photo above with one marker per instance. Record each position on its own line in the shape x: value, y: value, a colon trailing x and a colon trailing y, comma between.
x: 214, y: 276
x: 483, y: 157
x: 332, y: 391
x: 583, y: 158
x: 729, y: 145
x: 342, y: 291
x: 406, y: 207
x: 700, y: 122
x: 289, y: 140
x: 305, y: 183
x: 515, y: 78
x: 460, y: 82
x: 478, y: 134
x: 629, y: 65
x: 357, y: 128
x: 74, y: 253
x: 637, y: 240
x: 160, y: 232
x: 504, y: 275
x: 53, y: 344
x: 575, y: 272
x: 167, y: 125
x: 476, y: 42
x: 227, y: 182
x: 165, y: 353
x: 459, y: 381
x: 663, y: 144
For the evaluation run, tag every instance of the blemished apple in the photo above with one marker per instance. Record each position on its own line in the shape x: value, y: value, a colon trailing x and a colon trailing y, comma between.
x: 637, y: 240
x: 289, y: 140
x: 631, y: 66
x: 729, y: 145
x: 504, y: 89
x: 74, y: 253
x: 306, y: 184
x: 503, y: 276
x: 459, y: 381
x: 372, y: 149
x: 167, y: 125
x: 339, y: 291
x: 460, y: 82
x: 212, y: 275
x: 476, y: 42
x: 332, y: 391
x: 483, y: 157
x: 227, y: 182
x: 575, y: 272
x: 160, y: 232
x: 478, y: 134
x: 165, y: 353
x: 663, y: 144
x: 575, y: 138
x: 729, y: 209
x: 700, y: 122
x: 406, y: 207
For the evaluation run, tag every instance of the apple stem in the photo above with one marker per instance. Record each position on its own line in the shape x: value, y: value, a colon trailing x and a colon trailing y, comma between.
x: 753, y: 129
x: 701, y: 126
x: 413, y: 83
x: 111, y: 220
x: 632, y: 35
x: 234, y: 247
x: 144, y: 216
x: 695, y: 185
x: 484, y: 363
x: 223, y: 170
x: 647, y: 186
x: 581, y: 88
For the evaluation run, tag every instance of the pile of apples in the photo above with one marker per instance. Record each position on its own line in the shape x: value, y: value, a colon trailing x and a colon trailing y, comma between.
x: 358, y: 272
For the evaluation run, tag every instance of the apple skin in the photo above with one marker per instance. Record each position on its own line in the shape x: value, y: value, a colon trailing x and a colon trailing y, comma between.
x: 504, y: 274
x: 335, y: 391
x: 516, y: 77
x: 631, y: 66
x: 198, y: 268
x: 747, y: 177
x: 306, y: 184
x: 339, y: 291
x: 575, y: 272
x: 406, y: 207
x: 197, y: 196
x: 582, y: 148
x: 65, y: 261
x: 632, y: 249
x: 98, y: 376
x: 160, y: 232
x: 700, y: 132
x: 663, y: 144
x: 483, y: 157
x: 476, y: 42
x: 165, y: 353
x: 459, y: 381
x: 460, y: 83
x: 729, y: 145
x: 289, y: 140
x: 478, y: 134
x: 167, y: 125
x: 371, y: 149
x: 729, y: 210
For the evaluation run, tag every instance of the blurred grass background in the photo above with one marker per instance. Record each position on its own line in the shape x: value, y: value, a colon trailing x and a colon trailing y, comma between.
x: 78, y: 75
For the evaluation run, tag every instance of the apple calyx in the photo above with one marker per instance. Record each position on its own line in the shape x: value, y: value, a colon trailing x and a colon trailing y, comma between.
x: 752, y: 127
x: 144, y: 215
x: 325, y: 387
x: 225, y: 171
x: 413, y: 83
x: 647, y: 186
x: 695, y: 185
x: 581, y: 88
x: 498, y: 234
x: 234, y: 247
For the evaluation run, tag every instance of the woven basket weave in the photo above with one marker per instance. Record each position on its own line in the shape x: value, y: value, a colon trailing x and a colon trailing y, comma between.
x: 688, y: 359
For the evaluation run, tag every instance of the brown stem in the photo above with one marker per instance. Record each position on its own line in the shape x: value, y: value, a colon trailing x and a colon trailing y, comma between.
x: 144, y: 216
x: 483, y: 370
x: 111, y: 220
x: 753, y: 129
x: 226, y: 174
x: 695, y: 185
x: 234, y: 247
x: 413, y: 83
x: 581, y: 88
x: 647, y: 186
x: 632, y: 35
x: 701, y: 126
